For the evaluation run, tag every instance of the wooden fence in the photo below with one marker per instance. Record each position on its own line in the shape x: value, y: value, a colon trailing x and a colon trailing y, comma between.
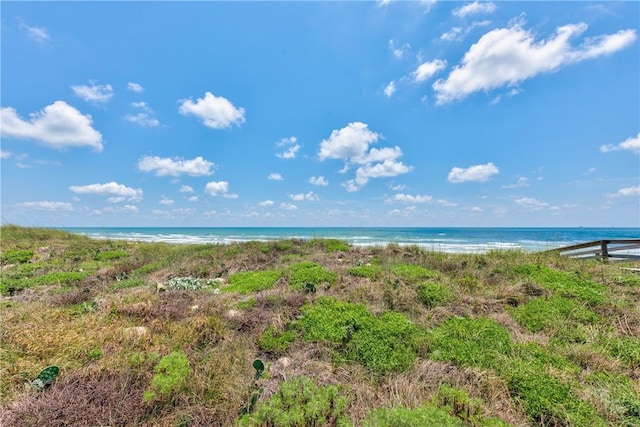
x: 614, y: 250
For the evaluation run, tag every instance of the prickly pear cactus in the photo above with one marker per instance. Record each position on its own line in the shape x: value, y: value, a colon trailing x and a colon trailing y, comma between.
x: 258, y: 365
x: 45, y: 377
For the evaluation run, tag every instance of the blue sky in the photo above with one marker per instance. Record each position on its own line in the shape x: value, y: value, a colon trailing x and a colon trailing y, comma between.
x: 320, y: 113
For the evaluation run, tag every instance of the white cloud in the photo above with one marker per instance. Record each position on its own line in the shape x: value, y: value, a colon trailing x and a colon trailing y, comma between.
x: 176, y: 166
x: 427, y: 5
x: 58, y: 125
x: 627, y: 192
x: 135, y: 87
x: 119, y: 191
x: 95, y: 94
x: 288, y: 207
x: 476, y: 209
x: 446, y: 203
x: 390, y: 89
x: 220, y: 188
x: 48, y: 206
x: 215, y: 111
x: 318, y: 180
x: 351, y: 144
x: 428, y: 69
x: 291, y: 150
x: 459, y: 33
x: 119, y: 209
x: 397, y: 187
x: 310, y: 196
x: 142, y: 105
x: 142, y: 119
x: 522, y: 182
x: 4, y: 154
x: 477, y: 173
x: 275, y: 177
x: 399, y: 52
x: 186, y: 189
x: 531, y: 204
x: 266, y: 203
x: 632, y: 144
x: 407, y: 198
x: 192, y: 198
x: 39, y: 34
x: 508, y: 56
x: 474, y: 8
x: 166, y: 201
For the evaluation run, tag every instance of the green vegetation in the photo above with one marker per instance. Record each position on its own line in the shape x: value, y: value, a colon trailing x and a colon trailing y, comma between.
x: 301, y: 402
x: 310, y: 273
x: 252, y: 281
x: 307, y: 333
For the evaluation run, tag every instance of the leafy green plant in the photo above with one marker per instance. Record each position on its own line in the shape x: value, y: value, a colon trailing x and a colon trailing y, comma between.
x: 300, y: 402
x: 110, y: 255
x: 191, y: 284
x: 45, y: 377
x: 171, y: 374
x: 306, y: 272
x: 433, y: 294
x: 413, y: 273
x: 19, y: 256
x: 60, y: 278
x: 367, y: 271
x: 330, y: 245
x: 252, y: 281
x: 276, y: 341
x: 424, y: 416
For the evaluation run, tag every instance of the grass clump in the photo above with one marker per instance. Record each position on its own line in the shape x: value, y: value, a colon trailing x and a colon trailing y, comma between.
x: 307, y: 273
x: 424, y: 416
x: 252, y: 281
x: 300, y: 402
x: 433, y: 294
x: 171, y: 374
x: 388, y: 343
x: 557, y: 316
x: 619, y: 397
x: 570, y: 285
x: 18, y: 256
x: 413, y: 273
x: 366, y: 271
x: 330, y: 245
x: 276, y: 341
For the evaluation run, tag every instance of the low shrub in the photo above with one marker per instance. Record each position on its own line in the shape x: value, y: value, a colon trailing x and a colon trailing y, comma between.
x: 413, y: 273
x: 276, y: 341
x: 18, y: 256
x: 252, y: 281
x: 433, y: 294
x: 171, y: 374
x: 307, y: 272
x: 300, y: 402
x: 367, y: 271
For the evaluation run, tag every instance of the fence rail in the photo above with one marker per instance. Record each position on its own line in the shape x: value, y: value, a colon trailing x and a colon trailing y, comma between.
x: 614, y: 250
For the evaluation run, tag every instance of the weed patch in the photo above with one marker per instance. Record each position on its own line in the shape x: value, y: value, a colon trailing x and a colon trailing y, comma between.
x: 425, y: 416
x: 300, y: 402
x: 276, y: 341
x: 413, y: 273
x: 252, y: 281
x: 329, y: 245
x: 19, y: 256
x: 433, y: 294
x: 366, y: 271
x: 110, y: 255
x: 171, y: 375
x: 304, y: 273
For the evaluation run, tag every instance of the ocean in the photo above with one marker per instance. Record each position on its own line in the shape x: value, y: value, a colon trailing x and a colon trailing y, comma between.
x: 450, y: 240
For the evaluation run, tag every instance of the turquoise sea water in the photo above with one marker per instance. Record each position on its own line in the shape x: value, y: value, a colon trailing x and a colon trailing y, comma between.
x: 462, y: 240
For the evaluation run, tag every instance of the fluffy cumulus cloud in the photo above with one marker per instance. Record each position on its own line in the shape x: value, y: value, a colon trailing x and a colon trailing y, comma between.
x: 266, y: 203
x: 186, y: 189
x: 351, y: 145
x: 48, y: 206
x: 628, y: 192
x: 508, y: 56
x: 289, y: 148
x: 118, y: 192
x: 474, y: 8
x: 288, y: 206
x: 275, y: 177
x: 318, y: 180
x: 95, y: 94
x: 176, y: 166
x: 142, y: 119
x: 531, y: 204
x: 399, y: 51
x: 215, y: 111
x: 219, y: 189
x: 427, y: 70
x: 310, y: 196
x: 58, y: 125
x: 407, y: 198
x: 135, y: 87
x: 477, y: 173
x: 631, y: 144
